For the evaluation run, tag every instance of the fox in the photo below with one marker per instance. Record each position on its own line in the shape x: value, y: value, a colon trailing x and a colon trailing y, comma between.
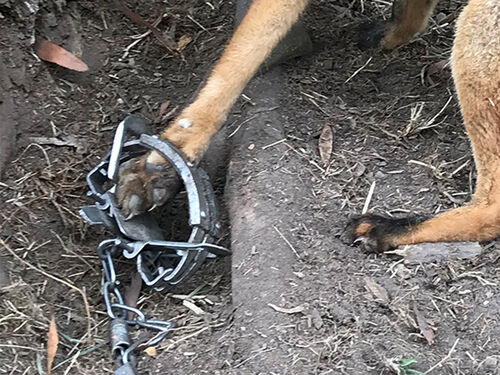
x: 146, y: 182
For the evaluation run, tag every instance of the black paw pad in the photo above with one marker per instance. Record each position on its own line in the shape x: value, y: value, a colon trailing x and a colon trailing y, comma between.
x: 377, y: 233
x: 370, y: 34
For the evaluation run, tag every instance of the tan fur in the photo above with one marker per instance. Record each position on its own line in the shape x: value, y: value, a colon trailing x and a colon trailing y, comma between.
x: 362, y: 229
x: 411, y: 18
x: 266, y: 22
x: 476, y: 70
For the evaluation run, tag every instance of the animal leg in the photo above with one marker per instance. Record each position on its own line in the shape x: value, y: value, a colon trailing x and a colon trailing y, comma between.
x: 147, y: 181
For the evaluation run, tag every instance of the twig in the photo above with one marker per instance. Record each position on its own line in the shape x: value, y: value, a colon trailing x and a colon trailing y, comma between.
x: 252, y: 357
x: 240, y: 125
x: 274, y: 143
x: 368, y: 198
x: 20, y: 347
x: 359, y: 70
x: 445, y: 357
x: 431, y: 121
x: 72, y: 363
x: 306, y: 158
x: 287, y: 242
x: 141, y: 21
x: 198, y: 24
x: 187, y: 337
x: 68, y: 284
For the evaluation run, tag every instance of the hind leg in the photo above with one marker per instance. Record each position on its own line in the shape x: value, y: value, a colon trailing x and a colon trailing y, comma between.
x: 476, y: 70
x: 409, y: 17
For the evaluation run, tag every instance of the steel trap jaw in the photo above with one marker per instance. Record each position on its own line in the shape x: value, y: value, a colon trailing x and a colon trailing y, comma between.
x: 160, y: 262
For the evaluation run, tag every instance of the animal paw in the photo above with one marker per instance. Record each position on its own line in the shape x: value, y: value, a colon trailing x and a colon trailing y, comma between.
x: 377, y: 233
x: 371, y: 34
x: 143, y: 185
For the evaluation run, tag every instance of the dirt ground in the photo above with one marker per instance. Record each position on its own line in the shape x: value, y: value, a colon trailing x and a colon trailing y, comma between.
x: 396, y: 122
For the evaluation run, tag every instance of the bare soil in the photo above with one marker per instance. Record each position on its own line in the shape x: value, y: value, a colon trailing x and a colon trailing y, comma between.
x: 396, y: 122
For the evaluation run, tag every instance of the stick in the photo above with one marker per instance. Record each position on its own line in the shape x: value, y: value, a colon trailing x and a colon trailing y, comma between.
x: 141, y: 21
x: 368, y: 198
x: 444, y: 359
x: 68, y: 284
x: 287, y: 242
x: 359, y: 70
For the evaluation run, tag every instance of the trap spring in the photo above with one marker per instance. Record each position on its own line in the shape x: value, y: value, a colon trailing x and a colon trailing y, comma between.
x: 160, y: 263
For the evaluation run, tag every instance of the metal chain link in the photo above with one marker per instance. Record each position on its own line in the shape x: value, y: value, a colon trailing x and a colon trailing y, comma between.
x: 160, y: 263
x: 122, y: 346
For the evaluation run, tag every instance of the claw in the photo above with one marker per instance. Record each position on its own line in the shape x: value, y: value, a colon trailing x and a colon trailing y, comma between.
x: 359, y: 240
x: 144, y: 186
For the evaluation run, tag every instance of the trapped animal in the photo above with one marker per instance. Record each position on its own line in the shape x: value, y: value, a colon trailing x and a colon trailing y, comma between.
x: 147, y: 181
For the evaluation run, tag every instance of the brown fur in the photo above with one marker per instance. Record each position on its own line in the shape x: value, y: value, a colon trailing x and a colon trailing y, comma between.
x: 265, y: 24
x: 476, y: 69
x: 410, y: 17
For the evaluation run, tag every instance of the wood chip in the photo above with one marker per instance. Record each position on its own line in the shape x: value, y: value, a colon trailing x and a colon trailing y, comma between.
x: 378, y: 291
x: 63, y: 140
x: 163, y: 108
x: 132, y: 292
x: 52, y: 343
x: 191, y: 306
x: 151, y: 351
x: 424, y: 327
x: 53, y: 53
x: 293, y: 310
x: 437, y: 251
x: 325, y: 145
x: 183, y: 42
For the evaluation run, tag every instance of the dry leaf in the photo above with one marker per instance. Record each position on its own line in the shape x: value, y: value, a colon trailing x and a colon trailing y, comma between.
x: 52, y: 342
x: 151, y: 351
x: 64, y: 140
x: 293, y: 310
x: 51, y: 52
x: 437, y: 251
x: 163, y: 107
x: 325, y: 145
x: 378, y: 291
x: 425, y: 328
x: 183, y: 42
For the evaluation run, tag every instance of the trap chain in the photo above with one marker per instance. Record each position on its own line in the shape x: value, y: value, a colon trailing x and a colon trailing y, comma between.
x: 160, y: 263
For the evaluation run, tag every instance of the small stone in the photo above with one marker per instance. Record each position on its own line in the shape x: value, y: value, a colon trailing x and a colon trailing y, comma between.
x: 440, y: 17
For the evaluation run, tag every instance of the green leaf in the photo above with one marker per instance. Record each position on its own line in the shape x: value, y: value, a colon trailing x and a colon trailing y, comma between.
x: 405, y: 362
